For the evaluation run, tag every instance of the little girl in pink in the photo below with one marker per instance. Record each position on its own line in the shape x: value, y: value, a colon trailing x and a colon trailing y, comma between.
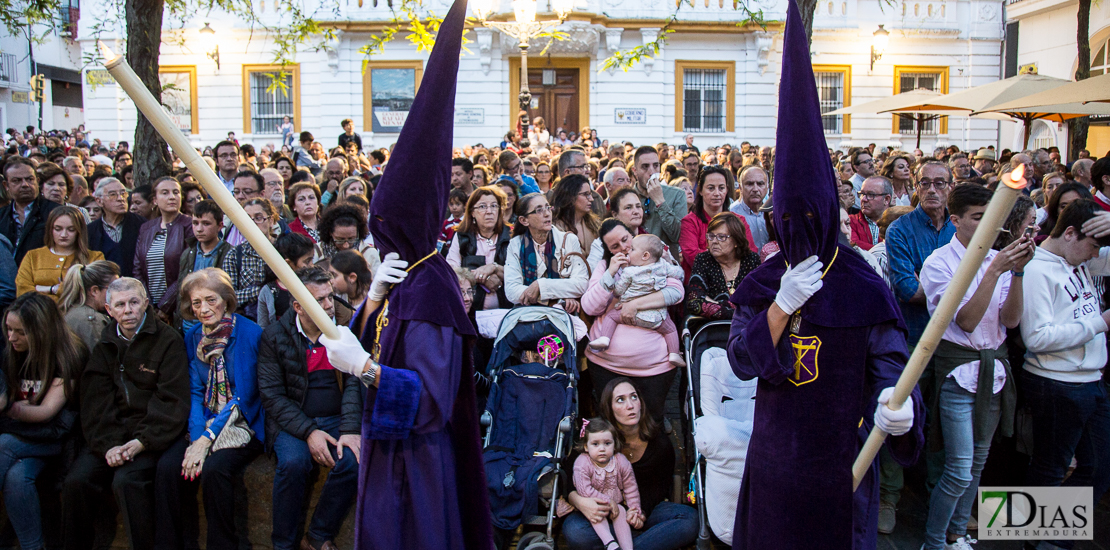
x: 602, y: 472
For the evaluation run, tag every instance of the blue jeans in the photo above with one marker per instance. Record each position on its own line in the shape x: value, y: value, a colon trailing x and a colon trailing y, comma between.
x: 291, y: 479
x: 669, y: 527
x: 21, y: 462
x: 1069, y: 420
x: 965, y: 454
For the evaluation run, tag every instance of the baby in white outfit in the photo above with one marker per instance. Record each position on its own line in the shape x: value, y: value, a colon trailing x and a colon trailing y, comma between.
x: 646, y: 273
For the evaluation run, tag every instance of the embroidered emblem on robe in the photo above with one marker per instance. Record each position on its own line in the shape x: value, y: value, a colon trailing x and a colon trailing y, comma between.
x: 805, y: 349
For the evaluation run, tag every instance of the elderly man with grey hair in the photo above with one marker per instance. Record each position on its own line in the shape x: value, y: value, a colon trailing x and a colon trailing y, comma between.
x: 117, y: 231
x: 755, y: 183
x: 616, y: 178
x: 875, y: 197
x: 134, y: 404
x: 1081, y: 172
x: 74, y: 166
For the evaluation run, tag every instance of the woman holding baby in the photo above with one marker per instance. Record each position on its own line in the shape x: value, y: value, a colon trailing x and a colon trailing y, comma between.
x: 633, y: 351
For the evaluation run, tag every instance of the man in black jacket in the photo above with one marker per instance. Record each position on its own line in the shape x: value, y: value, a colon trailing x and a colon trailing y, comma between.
x: 134, y: 403
x: 23, y: 221
x: 117, y: 231
x: 313, y: 416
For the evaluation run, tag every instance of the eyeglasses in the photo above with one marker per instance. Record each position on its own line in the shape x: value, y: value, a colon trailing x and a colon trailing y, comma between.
x: 228, y: 156
x: 541, y: 210
x: 717, y: 238
x: 577, y: 167
x: 586, y: 193
x: 260, y: 218
x: 116, y: 194
x: 871, y: 196
x: 348, y: 242
x: 469, y: 293
x: 245, y: 192
x: 868, y: 161
x: 935, y: 184
x: 485, y: 207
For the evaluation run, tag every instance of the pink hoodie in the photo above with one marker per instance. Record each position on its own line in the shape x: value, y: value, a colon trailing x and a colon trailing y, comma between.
x: 633, y: 351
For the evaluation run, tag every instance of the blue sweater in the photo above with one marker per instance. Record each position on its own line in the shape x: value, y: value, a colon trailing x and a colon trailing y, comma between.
x: 242, y: 359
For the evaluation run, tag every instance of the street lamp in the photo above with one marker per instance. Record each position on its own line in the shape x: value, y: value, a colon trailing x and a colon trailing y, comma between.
x: 208, y: 35
x: 523, y: 28
x: 878, y: 44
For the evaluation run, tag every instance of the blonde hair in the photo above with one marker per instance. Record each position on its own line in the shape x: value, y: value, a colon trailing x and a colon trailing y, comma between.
x: 80, y: 278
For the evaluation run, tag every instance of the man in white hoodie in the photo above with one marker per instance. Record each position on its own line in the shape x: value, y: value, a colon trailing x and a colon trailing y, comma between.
x: 1065, y: 335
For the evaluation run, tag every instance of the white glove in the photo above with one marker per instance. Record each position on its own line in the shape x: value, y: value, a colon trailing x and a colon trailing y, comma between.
x: 893, y: 422
x: 346, y: 353
x: 390, y: 272
x: 798, y: 284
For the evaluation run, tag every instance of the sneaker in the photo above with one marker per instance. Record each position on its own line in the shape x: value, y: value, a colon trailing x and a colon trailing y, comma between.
x: 961, y: 544
x: 676, y: 360
x: 886, y: 518
x: 599, y: 344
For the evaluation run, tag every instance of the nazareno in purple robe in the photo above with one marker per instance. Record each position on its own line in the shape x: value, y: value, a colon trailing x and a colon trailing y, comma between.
x: 422, y: 482
x: 417, y: 432
x: 817, y: 389
x: 797, y: 486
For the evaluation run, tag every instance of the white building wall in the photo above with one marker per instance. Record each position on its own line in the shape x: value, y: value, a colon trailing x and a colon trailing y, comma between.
x: 56, y: 51
x: 966, y: 39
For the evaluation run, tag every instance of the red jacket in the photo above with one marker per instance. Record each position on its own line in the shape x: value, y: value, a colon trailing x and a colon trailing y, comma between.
x: 861, y: 232
x: 298, y: 227
x: 692, y: 241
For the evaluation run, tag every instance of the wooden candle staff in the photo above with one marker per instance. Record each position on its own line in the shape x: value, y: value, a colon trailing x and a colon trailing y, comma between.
x: 161, y: 121
x: 997, y: 212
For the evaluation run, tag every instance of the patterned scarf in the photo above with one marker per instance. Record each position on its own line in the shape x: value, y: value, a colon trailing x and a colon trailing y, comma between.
x: 528, y: 259
x: 210, y: 350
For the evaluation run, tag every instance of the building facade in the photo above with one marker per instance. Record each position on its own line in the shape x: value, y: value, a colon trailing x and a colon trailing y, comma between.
x: 714, y: 78
x: 1042, y: 33
x: 57, y: 56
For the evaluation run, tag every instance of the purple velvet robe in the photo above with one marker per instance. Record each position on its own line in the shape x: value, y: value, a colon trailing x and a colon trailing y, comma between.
x: 811, y: 420
x: 418, y: 486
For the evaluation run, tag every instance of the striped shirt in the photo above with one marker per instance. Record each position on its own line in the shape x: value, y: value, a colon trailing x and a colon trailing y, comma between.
x: 156, y: 267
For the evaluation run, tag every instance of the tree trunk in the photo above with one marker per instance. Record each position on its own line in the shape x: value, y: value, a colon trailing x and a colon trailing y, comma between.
x: 808, y: 8
x: 144, y: 41
x: 1077, y: 127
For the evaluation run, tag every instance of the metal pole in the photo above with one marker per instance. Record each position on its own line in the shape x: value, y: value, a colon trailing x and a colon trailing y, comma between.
x: 525, y: 93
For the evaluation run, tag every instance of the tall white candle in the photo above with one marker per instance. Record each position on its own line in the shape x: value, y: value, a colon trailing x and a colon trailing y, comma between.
x: 997, y: 211
x: 161, y: 121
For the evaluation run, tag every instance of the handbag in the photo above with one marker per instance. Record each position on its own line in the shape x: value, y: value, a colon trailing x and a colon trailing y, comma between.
x: 567, y: 256
x: 236, y: 433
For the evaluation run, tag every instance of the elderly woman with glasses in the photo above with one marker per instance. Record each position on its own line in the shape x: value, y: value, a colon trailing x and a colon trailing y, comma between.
x: 481, y: 245
x: 544, y: 264
x: 718, y: 271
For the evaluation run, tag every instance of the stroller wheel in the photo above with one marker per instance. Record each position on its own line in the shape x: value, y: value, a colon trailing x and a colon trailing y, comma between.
x: 540, y: 545
x: 529, y: 538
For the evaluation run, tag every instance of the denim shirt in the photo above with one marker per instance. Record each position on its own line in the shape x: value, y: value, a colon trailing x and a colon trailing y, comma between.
x: 909, y: 240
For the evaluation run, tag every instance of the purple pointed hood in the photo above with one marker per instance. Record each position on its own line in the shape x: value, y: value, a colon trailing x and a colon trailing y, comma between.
x: 807, y: 211
x: 407, y: 212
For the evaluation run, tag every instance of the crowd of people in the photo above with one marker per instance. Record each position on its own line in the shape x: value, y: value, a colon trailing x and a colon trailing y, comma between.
x: 105, y: 280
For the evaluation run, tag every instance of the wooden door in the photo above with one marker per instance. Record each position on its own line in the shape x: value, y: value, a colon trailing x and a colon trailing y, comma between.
x: 557, y: 103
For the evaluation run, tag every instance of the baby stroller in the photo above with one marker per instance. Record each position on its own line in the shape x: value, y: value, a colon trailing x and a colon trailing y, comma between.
x: 720, y: 448
x: 528, y: 419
